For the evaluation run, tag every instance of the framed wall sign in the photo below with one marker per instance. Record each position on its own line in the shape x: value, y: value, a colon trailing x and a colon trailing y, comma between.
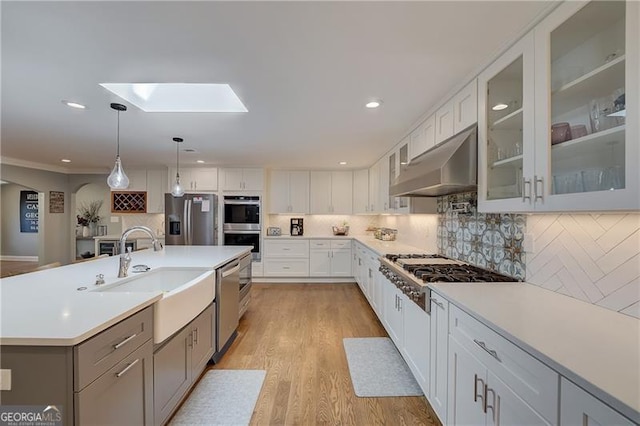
x: 56, y: 202
x: 28, y: 211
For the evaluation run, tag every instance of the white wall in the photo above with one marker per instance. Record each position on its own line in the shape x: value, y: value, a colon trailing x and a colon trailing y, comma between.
x: 14, y: 242
x: 54, y: 230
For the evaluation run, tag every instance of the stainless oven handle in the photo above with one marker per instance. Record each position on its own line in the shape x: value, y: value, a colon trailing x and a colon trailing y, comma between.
x: 241, y: 203
x: 228, y: 231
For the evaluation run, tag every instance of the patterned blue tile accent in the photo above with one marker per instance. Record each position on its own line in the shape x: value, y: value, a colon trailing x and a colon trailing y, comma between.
x: 489, y: 240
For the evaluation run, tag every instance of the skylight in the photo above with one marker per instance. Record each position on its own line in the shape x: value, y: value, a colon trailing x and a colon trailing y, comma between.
x: 178, y: 97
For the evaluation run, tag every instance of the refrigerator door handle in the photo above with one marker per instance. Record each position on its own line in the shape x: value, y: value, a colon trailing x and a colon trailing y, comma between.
x: 190, y: 221
x: 185, y: 222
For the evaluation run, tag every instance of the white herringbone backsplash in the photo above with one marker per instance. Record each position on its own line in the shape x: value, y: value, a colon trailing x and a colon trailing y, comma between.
x: 592, y: 257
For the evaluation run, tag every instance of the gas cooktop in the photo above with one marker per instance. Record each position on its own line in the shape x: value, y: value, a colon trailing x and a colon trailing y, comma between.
x: 411, y: 272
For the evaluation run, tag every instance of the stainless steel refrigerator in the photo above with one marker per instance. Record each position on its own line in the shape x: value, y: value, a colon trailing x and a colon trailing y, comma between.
x: 191, y: 220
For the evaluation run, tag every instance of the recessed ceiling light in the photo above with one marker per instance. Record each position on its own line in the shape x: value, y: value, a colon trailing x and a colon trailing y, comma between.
x: 178, y: 97
x: 65, y: 160
x: 200, y: 161
x: 499, y: 107
x: 73, y: 104
x: 343, y: 163
x: 373, y: 104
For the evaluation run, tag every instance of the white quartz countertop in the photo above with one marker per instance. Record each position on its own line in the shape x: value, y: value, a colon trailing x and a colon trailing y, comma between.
x: 595, y: 348
x: 134, y: 236
x: 45, y: 308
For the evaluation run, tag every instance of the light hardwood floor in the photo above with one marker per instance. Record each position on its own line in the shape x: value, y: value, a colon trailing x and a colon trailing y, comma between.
x: 9, y: 268
x: 295, y: 332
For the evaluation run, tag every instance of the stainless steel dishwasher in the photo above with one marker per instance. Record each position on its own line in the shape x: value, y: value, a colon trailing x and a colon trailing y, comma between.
x: 227, y: 304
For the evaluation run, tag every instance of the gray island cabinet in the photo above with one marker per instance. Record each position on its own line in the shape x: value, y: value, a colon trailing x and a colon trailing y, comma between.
x: 179, y: 360
x: 116, y: 376
x: 107, y: 379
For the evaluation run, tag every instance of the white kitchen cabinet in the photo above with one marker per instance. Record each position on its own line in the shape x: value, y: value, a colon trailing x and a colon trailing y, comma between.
x: 393, y: 300
x: 525, y: 376
x: 374, y: 188
x: 506, y: 131
x: 331, y: 192
x: 286, y: 258
x: 156, y: 188
x: 583, y: 151
x: 361, y: 191
x: 580, y: 408
x: 423, y: 138
x: 329, y: 258
x: 383, y: 185
x: 438, y: 359
x: 400, y: 158
x: 465, y: 107
x: 242, y: 179
x: 196, y: 179
x: 137, y: 179
x: 417, y: 343
x: 288, y: 192
x: 476, y: 396
x: 444, y: 122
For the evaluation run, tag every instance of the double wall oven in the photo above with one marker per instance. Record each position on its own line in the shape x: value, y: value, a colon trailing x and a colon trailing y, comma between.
x: 242, y: 222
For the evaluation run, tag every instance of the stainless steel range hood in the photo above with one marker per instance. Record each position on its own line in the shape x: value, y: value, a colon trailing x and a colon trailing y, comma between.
x: 447, y: 168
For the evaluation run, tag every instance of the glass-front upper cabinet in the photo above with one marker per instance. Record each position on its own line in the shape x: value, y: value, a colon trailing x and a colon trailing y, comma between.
x: 505, y: 134
x: 587, y: 107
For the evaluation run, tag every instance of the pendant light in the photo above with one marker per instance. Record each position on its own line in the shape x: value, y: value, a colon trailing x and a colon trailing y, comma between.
x: 118, y: 179
x: 177, y: 190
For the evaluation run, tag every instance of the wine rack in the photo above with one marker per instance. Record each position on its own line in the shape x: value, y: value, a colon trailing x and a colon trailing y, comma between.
x: 128, y: 202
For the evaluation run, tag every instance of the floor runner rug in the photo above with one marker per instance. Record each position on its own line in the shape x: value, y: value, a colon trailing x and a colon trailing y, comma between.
x: 377, y: 368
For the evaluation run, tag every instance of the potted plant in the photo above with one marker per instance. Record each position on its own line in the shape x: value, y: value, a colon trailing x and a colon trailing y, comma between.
x: 88, y: 216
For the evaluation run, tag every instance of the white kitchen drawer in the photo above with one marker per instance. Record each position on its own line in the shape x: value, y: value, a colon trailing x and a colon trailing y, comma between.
x: 286, y: 248
x: 286, y: 267
x: 339, y: 244
x: 530, y: 379
x: 319, y: 244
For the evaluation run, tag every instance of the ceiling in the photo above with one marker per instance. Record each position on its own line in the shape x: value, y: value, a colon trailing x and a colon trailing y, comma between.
x: 304, y: 70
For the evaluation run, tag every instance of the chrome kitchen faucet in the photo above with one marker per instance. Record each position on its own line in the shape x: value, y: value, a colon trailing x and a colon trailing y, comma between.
x: 125, y: 256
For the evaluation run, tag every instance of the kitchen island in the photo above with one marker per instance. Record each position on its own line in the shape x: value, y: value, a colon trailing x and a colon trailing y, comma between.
x: 64, y: 342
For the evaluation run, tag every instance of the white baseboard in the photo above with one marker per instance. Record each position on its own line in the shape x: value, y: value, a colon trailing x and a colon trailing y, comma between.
x: 20, y: 258
x: 302, y: 280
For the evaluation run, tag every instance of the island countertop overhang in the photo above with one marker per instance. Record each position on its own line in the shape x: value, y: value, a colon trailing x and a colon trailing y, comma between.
x: 45, y: 308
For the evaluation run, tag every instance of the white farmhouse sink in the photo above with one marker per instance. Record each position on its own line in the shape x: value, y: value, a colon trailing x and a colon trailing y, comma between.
x: 186, y: 293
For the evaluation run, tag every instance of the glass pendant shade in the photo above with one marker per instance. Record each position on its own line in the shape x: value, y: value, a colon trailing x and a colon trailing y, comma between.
x: 177, y: 190
x: 118, y: 179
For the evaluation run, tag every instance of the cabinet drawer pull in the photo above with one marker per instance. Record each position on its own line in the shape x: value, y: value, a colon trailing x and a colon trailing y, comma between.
x: 526, y: 195
x: 127, y: 368
x: 491, y: 406
x: 286, y: 267
x: 286, y: 249
x: 477, y: 379
x: 537, y: 180
x: 439, y: 304
x: 125, y: 341
x: 491, y: 352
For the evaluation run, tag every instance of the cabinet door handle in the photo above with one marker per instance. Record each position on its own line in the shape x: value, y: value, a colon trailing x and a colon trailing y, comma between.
x: 195, y: 336
x: 125, y: 341
x: 487, y: 406
x: 526, y: 195
x: 396, y: 296
x: 537, y: 180
x: 328, y: 254
x: 477, y: 379
x: 438, y: 304
x: 127, y: 368
x: 491, y: 352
